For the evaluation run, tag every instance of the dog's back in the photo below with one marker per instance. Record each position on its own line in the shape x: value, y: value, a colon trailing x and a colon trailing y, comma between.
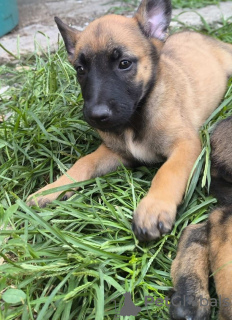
x: 221, y: 157
x: 201, y: 66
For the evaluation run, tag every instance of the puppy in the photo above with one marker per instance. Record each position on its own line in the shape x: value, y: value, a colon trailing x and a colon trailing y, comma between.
x: 207, y: 246
x: 147, y: 96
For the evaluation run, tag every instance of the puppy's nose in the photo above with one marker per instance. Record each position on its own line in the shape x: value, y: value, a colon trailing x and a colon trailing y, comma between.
x: 100, y: 113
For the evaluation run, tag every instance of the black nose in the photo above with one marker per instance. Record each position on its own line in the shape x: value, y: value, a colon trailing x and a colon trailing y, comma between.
x: 100, y: 113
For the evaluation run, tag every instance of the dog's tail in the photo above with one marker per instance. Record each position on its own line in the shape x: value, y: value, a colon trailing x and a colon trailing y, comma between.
x: 221, y: 162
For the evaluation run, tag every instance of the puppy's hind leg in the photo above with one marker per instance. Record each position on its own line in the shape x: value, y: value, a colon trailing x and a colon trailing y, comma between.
x: 220, y: 256
x: 220, y: 221
x: 190, y: 270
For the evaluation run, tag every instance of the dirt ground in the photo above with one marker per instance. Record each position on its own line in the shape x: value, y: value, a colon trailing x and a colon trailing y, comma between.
x: 75, y: 12
x: 38, y: 15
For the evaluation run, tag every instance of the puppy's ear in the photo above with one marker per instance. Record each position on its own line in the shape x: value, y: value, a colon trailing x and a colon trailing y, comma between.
x: 154, y: 17
x: 70, y: 36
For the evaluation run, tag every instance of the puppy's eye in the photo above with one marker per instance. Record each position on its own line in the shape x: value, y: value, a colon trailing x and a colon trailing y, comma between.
x: 125, y: 64
x: 80, y: 70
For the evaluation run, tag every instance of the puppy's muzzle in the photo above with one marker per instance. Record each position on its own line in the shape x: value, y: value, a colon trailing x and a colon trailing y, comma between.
x: 99, y: 116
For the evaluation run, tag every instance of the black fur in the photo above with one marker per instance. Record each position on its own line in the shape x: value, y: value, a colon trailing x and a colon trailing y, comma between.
x: 197, y: 236
x: 221, y: 142
x: 104, y: 84
x: 222, y: 190
x: 185, y: 304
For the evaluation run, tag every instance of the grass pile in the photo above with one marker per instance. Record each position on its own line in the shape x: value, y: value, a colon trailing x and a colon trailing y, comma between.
x: 76, y: 259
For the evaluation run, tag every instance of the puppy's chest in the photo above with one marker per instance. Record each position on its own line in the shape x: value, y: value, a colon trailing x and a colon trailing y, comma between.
x: 146, y: 150
x: 140, y: 150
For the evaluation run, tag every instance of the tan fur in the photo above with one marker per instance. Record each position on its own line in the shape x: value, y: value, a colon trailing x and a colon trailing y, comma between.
x: 208, y: 246
x: 220, y: 221
x: 220, y: 250
x: 191, y: 79
x: 189, y: 273
x: 193, y: 259
x: 213, y: 253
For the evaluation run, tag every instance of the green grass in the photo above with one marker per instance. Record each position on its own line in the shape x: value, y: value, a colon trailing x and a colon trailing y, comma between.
x: 131, y: 5
x: 72, y: 259
x: 194, y: 3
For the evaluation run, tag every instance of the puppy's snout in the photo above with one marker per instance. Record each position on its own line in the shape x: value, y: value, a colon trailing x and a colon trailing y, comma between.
x: 100, y: 114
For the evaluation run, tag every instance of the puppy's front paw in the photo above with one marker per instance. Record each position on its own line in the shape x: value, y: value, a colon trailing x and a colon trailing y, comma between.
x: 153, y: 218
x: 36, y: 199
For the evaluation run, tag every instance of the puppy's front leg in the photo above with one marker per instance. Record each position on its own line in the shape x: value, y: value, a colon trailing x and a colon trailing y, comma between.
x: 98, y: 163
x: 156, y: 212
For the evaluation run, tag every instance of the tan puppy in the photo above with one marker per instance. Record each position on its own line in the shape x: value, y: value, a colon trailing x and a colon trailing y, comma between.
x: 207, y: 246
x: 147, y: 98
